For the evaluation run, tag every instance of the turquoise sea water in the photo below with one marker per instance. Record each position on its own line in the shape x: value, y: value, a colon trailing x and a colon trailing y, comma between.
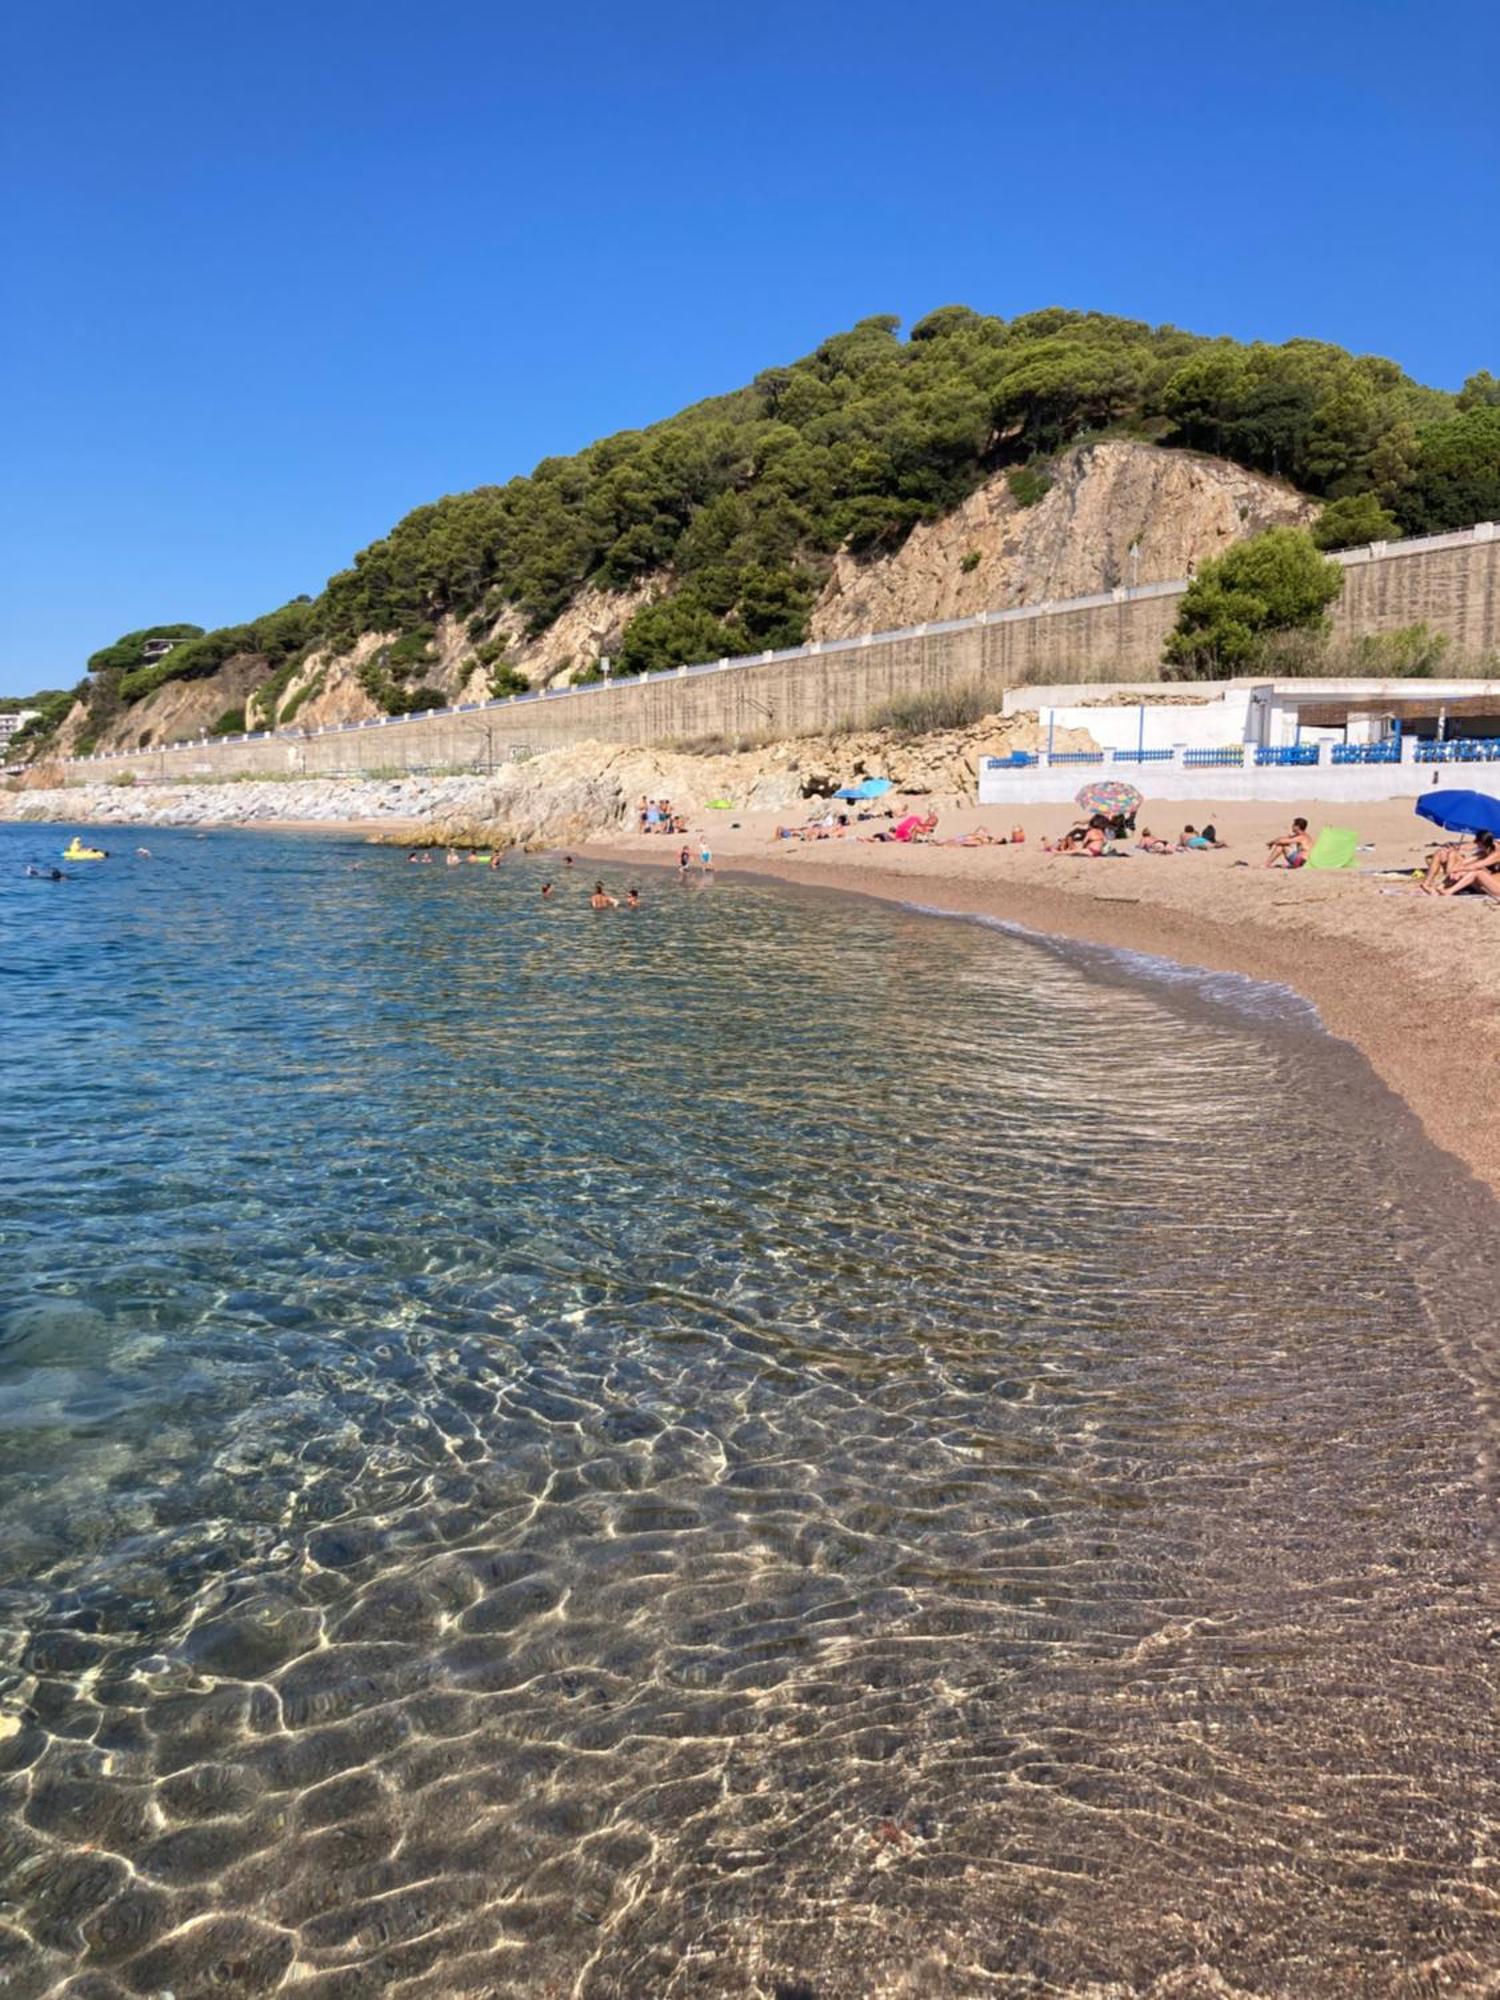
x: 763, y: 1445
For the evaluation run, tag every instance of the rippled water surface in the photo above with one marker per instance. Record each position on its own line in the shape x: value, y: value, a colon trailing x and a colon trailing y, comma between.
x: 756, y: 1447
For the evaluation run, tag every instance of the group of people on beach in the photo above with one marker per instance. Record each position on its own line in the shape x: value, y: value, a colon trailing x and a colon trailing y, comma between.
x: 838, y: 826
x: 659, y: 816
x: 1091, y: 838
x: 1463, y: 865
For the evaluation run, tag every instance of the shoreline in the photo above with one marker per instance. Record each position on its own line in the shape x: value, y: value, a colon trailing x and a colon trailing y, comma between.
x: 1406, y: 980
x: 1402, y: 1021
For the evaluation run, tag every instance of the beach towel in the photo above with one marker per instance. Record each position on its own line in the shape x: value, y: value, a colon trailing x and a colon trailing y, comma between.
x: 1335, y: 847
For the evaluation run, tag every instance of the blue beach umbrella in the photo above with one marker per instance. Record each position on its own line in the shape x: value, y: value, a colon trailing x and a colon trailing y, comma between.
x: 1462, y: 812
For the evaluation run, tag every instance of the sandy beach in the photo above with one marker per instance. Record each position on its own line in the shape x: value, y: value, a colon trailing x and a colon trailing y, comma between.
x: 1408, y: 978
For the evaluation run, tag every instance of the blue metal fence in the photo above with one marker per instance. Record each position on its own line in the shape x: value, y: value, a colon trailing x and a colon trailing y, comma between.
x: 1142, y: 757
x: 1367, y: 753
x: 1076, y: 757
x: 1284, y: 755
x: 1229, y: 758
x: 1459, y: 750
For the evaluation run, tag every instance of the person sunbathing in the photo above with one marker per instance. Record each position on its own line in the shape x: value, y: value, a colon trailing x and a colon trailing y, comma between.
x: 911, y: 828
x: 1290, y: 850
x: 979, y: 836
x: 1087, y: 842
x: 1459, y: 857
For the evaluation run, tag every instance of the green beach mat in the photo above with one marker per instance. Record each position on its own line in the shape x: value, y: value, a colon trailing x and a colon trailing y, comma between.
x: 1335, y: 847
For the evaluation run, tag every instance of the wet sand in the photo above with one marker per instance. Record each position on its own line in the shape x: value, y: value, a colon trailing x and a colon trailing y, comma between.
x: 1409, y: 979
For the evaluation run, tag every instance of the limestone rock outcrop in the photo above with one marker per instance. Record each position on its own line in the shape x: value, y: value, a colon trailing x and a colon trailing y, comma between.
x: 175, y: 712
x: 1175, y: 508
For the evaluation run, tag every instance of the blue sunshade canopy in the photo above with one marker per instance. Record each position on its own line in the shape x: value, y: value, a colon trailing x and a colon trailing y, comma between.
x: 1462, y: 812
x: 867, y: 788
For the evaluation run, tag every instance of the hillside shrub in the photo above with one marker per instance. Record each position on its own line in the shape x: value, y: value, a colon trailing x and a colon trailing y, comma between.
x: 304, y: 694
x: 1274, y: 583
x: 1028, y: 485
x: 1356, y: 519
x: 929, y: 710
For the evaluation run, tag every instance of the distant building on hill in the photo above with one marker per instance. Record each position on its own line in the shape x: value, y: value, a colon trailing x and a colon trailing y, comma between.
x: 15, y: 721
x: 157, y: 649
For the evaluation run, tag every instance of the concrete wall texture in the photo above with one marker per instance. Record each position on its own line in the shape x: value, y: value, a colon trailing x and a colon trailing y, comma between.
x: 1449, y: 582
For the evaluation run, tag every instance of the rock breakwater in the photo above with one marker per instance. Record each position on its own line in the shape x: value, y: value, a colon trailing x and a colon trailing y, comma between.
x: 561, y: 795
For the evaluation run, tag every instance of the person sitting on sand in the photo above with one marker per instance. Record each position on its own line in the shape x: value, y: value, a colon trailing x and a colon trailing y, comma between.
x: 1191, y: 837
x: 1078, y: 836
x: 1481, y: 874
x: 1211, y: 837
x: 1290, y: 850
x: 601, y: 900
x: 1457, y: 858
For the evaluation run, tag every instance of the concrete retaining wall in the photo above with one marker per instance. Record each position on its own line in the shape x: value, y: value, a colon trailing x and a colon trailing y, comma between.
x: 1452, y: 582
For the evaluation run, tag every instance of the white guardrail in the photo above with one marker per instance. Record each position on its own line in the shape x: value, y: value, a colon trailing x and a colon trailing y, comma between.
x: 1485, y: 531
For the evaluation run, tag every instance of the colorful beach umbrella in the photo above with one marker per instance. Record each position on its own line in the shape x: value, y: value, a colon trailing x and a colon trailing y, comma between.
x: 1109, y: 795
x: 1462, y: 812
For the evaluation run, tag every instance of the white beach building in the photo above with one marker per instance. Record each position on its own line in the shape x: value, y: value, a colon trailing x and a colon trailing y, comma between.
x: 1307, y: 739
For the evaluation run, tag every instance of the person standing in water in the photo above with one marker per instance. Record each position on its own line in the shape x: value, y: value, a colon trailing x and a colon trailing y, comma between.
x: 632, y: 899
x: 706, y: 858
x: 602, y: 901
x: 684, y: 862
x: 546, y: 890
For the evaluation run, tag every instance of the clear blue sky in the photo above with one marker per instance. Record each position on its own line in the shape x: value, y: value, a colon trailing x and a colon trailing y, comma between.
x: 278, y: 272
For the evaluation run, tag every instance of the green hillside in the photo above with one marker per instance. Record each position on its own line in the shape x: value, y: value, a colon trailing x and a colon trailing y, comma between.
x: 746, y: 497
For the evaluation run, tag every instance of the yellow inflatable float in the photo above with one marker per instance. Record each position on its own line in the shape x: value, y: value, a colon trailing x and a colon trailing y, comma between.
x: 76, y: 851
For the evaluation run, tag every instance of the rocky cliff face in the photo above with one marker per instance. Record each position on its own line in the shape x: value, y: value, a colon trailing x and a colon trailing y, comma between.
x: 174, y: 713
x: 1177, y: 508
x: 327, y: 687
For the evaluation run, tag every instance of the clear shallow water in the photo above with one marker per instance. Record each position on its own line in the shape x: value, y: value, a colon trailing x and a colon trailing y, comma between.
x: 762, y: 1446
